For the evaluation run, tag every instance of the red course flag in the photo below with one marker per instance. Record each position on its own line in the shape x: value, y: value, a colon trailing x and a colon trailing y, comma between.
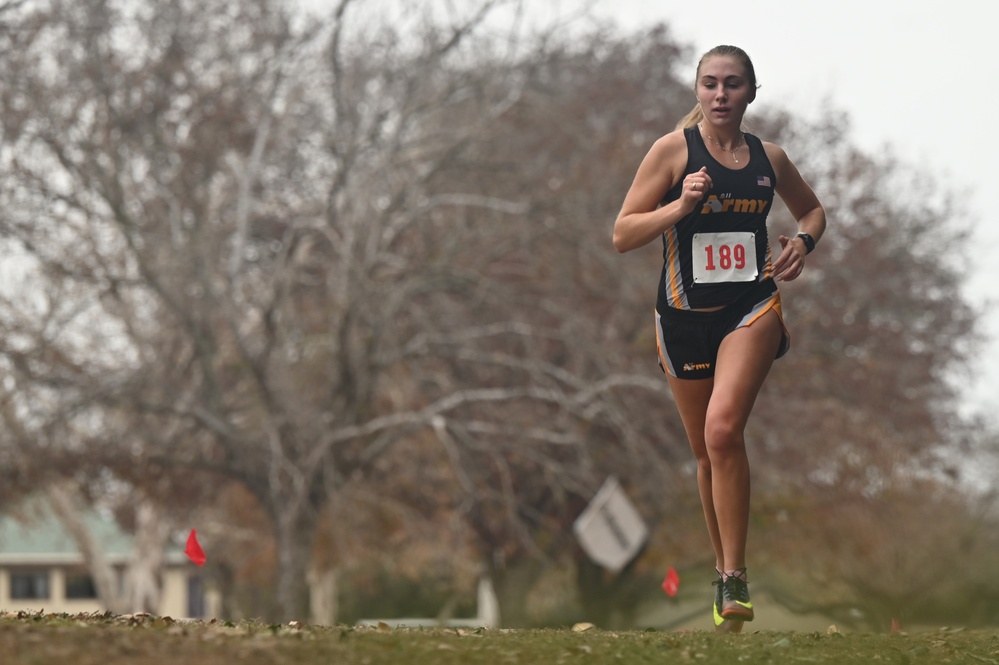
x: 193, y: 549
x: 672, y: 582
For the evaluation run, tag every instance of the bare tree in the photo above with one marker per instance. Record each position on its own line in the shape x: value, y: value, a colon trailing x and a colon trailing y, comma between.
x: 255, y: 257
x: 303, y: 260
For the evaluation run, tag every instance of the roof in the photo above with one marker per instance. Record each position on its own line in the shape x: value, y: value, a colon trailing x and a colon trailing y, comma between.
x: 31, y: 533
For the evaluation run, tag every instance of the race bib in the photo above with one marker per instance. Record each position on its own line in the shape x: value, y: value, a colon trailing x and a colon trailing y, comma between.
x: 724, y: 257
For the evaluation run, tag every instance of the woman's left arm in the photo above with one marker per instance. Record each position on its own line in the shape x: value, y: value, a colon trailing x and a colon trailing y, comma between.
x: 803, y: 205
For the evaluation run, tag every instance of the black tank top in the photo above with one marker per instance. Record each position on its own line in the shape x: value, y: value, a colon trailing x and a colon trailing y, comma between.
x: 720, y: 251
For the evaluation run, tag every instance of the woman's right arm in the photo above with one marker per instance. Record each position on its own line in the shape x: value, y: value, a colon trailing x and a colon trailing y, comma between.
x: 641, y: 220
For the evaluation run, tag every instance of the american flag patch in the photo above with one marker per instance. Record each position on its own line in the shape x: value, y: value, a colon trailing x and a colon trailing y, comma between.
x: 763, y: 181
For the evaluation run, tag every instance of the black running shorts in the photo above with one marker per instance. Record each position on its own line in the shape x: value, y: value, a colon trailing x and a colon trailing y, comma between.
x: 688, y: 340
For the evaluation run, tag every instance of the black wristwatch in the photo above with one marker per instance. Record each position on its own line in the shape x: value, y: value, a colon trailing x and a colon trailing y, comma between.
x: 808, y: 240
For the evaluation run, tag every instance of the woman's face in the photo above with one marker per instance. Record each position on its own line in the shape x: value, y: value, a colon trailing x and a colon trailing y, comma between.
x: 723, y: 90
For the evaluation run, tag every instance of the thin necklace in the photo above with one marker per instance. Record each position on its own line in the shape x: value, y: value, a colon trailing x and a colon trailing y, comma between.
x: 733, y: 150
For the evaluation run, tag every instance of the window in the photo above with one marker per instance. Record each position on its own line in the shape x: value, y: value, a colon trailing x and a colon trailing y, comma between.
x: 79, y: 586
x: 32, y: 585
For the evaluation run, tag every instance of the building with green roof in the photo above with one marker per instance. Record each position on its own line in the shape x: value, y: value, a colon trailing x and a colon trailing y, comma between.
x: 42, y: 567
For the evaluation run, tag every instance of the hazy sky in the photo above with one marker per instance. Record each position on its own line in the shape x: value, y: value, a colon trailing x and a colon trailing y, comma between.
x: 919, y: 75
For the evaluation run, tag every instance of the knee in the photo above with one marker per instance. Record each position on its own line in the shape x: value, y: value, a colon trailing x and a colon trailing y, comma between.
x: 723, y: 434
x: 701, y: 456
x: 703, y: 460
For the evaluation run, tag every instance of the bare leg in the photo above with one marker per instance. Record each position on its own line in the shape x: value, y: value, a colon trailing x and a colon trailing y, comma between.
x: 714, y: 414
x: 692, y: 397
x: 744, y: 359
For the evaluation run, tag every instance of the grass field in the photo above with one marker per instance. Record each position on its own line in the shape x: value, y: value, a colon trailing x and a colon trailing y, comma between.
x: 40, y: 639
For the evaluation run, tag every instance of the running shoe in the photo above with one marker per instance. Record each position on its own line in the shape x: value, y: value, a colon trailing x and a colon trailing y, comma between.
x: 735, y: 602
x: 723, y: 625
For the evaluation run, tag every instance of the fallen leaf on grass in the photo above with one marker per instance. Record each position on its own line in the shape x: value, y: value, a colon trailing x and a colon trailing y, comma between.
x: 465, y: 632
x: 582, y: 627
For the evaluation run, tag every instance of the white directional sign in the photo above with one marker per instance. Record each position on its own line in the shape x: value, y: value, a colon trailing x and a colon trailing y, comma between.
x: 610, y: 530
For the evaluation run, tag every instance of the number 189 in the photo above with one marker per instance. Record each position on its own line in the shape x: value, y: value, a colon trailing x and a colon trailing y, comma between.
x: 728, y: 257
